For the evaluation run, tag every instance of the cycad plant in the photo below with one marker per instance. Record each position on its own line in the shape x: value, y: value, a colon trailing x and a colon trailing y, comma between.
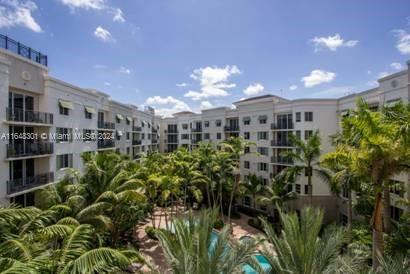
x: 192, y: 248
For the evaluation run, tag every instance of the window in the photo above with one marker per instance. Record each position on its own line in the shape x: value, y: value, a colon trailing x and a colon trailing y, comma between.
x: 64, y: 111
x: 247, y: 120
x: 63, y: 135
x: 263, y: 151
x: 88, y: 115
x: 263, y: 119
x: 185, y: 136
x: 308, y: 116
x: 128, y: 122
x: 64, y: 161
x: 218, y: 136
x: 289, y: 188
x: 118, y: 134
x: 247, y: 201
x: 218, y: 123
x: 88, y: 135
x: 264, y: 181
x: 247, y: 149
x: 307, y: 171
x: 206, y: 123
x: 262, y: 135
x: 308, y: 134
x: 184, y: 126
x: 206, y: 136
x: 118, y: 118
x: 298, y: 117
x: 143, y: 136
x: 298, y: 134
x: 297, y: 188
x: 149, y: 136
x: 306, y: 189
x: 246, y: 164
x: 246, y: 135
x: 262, y: 167
x: 128, y: 150
x: 395, y: 212
x: 128, y: 135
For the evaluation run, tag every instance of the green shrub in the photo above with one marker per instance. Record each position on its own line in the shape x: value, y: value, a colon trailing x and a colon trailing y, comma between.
x: 218, y: 224
x: 151, y: 232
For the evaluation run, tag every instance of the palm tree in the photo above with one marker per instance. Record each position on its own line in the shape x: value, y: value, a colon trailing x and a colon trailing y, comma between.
x: 377, y: 153
x: 306, y: 155
x: 252, y: 185
x: 300, y: 248
x: 343, y: 177
x: 277, y: 193
x: 195, y: 249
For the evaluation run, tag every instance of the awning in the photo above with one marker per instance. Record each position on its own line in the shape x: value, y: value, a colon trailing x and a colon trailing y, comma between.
x: 119, y: 117
x: 263, y: 117
x: 129, y: 119
x: 246, y: 119
x: 119, y: 133
x: 90, y: 110
x: 66, y: 104
x: 143, y: 123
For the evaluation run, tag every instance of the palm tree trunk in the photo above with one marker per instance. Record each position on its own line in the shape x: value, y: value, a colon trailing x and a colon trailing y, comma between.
x: 254, y: 200
x: 386, y: 210
x: 232, y: 196
x: 310, y: 190
x: 221, y: 201
x: 349, y: 213
x: 377, y: 226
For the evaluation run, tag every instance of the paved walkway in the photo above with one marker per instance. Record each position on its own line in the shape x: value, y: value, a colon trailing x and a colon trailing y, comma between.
x: 153, y: 251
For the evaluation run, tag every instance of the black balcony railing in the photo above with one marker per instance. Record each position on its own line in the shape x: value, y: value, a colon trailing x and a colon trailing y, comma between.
x: 134, y: 128
x: 29, y: 149
x: 23, y: 50
x: 281, y: 143
x: 136, y: 142
x: 281, y: 160
x: 196, y: 130
x: 171, y: 141
x: 105, y: 143
x: 154, y: 130
x: 196, y: 141
x: 19, y: 115
x: 154, y: 141
x: 231, y: 128
x: 106, y: 125
x: 18, y: 185
x: 275, y: 126
x: 171, y: 131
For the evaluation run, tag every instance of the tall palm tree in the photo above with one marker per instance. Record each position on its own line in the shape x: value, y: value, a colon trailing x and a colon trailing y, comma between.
x: 300, y: 247
x: 377, y: 154
x: 306, y: 158
x: 252, y: 185
x: 204, y: 155
x: 277, y: 193
x: 194, y: 249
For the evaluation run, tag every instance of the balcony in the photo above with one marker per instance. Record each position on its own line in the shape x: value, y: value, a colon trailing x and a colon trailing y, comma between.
x: 281, y: 143
x: 279, y: 126
x: 19, y: 115
x: 196, y: 141
x: 22, y: 50
x: 106, y: 125
x: 29, y: 149
x: 231, y: 128
x: 281, y: 160
x: 197, y: 130
x: 136, y: 142
x: 154, y: 130
x: 154, y: 141
x: 18, y: 185
x: 134, y: 128
x: 171, y: 131
x: 105, y: 143
x: 172, y: 141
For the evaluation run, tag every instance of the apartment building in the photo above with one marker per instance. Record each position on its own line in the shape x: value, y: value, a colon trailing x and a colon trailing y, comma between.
x: 47, y: 124
x: 268, y: 120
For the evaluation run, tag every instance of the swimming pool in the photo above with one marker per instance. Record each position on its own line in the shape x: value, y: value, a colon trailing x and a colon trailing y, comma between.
x: 247, y: 269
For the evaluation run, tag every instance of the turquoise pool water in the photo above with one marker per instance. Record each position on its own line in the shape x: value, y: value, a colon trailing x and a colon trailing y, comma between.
x: 247, y: 269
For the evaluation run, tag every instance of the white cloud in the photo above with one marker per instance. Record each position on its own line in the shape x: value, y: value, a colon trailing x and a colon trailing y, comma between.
x: 166, y: 106
x: 103, y: 34
x: 18, y: 13
x: 332, y: 42
x: 383, y: 74
x: 293, y: 87
x: 372, y: 83
x: 85, y: 4
x: 317, y: 77
x: 206, y: 105
x: 369, y: 72
x: 125, y: 70
x: 107, y: 84
x: 254, y: 89
x: 181, y: 85
x: 396, y: 66
x: 118, y: 15
x: 214, y: 82
x: 403, y: 41
x: 99, y: 66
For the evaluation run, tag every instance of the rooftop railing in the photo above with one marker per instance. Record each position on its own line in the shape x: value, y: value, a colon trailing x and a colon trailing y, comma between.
x: 22, y: 50
x: 19, y: 115
x: 18, y: 185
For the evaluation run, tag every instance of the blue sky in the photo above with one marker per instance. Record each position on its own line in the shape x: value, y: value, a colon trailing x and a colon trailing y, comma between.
x: 187, y: 54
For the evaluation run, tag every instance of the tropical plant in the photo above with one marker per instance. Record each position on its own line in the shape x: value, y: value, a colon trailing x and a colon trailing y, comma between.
x: 253, y: 186
x: 300, y: 247
x: 194, y: 249
x: 305, y: 156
